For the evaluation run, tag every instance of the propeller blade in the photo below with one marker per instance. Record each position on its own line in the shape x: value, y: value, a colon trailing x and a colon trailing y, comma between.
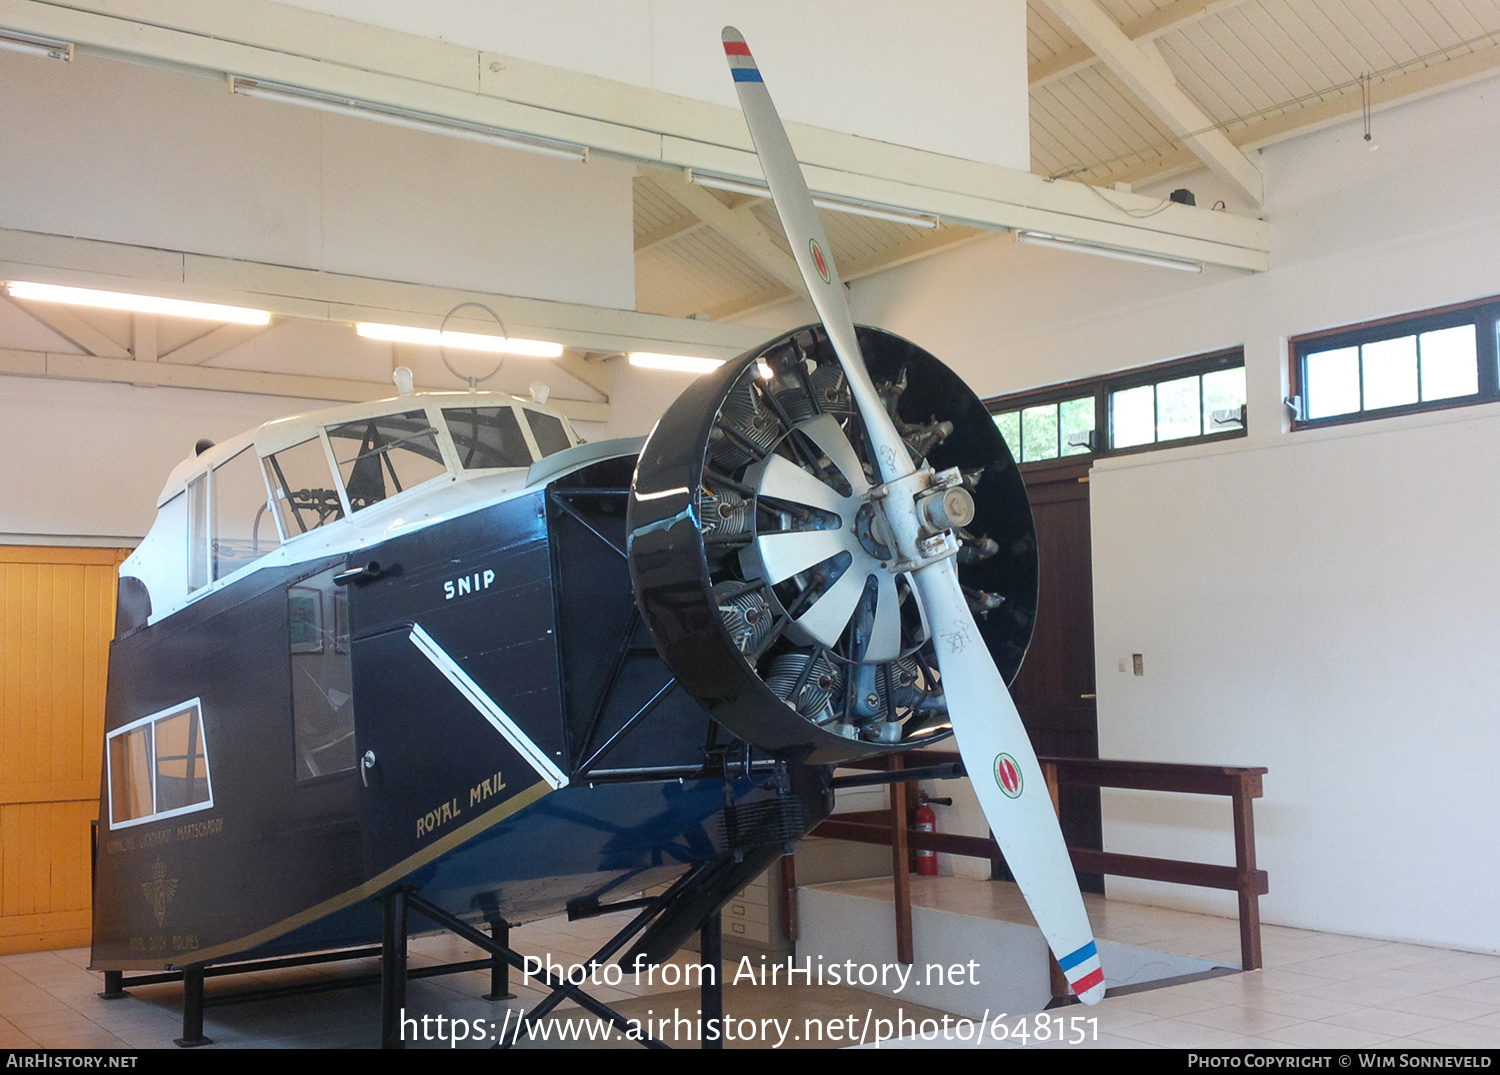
x: 804, y: 231
x: 1007, y: 779
x: 1001, y: 764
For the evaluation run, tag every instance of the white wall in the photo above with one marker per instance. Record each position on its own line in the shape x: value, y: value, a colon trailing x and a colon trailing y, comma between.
x: 127, y: 153
x: 947, y: 75
x: 1322, y: 603
x: 121, y: 152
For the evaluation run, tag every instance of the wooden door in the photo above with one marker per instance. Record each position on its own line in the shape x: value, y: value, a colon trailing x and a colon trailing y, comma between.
x: 1054, y: 691
x: 57, y: 616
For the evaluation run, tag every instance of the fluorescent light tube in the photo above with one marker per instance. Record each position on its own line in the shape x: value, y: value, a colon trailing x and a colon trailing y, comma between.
x: 404, y: 117
x: 145, y: 304
x: 677, y: 363
x: 33, y: 45
x: 463, y: 341
x: 1057, y: 242
x: 836, y: 205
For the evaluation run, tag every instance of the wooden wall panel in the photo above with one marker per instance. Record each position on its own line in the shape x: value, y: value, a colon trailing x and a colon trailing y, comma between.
x: 57, y: 610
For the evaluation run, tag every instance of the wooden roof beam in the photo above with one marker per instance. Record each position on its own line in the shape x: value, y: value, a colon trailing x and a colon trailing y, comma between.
x: 1294, y: 122
x: 739, y: 226
x: 1140, y: 66
x: 1173, y: 16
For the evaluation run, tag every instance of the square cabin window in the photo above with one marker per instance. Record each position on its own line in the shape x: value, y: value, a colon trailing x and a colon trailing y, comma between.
x: 158, y: 767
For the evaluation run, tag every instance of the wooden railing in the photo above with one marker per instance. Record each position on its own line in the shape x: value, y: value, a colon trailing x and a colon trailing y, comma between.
x: 1241, y: 785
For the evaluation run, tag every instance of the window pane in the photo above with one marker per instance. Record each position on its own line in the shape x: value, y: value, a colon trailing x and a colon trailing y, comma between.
x: 1223, y: 390
x: 302, y: 487
x: 382, y: 456
x: 1450, y: 364
x: 1039, y: 433
x: 130, y: 775
x: 243, y: 529
x: 549, y: 433
x: 197, y: 533
x: 181, y: 768
x: 1010, y: 428
x: 1390, y: 372
x: 1075, y: 418
x: 1332, y: 382
x: 1132, y: 416
x: 1178, y: 412
x: 322, y: 676
x: 487, y: 437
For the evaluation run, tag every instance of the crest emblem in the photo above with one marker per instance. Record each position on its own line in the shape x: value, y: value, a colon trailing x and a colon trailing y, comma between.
x: 1008, y: 775
x: 159, y: 891
x: 819, y: 261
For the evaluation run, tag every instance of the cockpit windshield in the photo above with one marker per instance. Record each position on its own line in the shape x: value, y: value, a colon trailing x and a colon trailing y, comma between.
x: 385, y: 455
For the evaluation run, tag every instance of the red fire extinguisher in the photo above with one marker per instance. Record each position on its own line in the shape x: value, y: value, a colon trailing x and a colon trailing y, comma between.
x: 927, y: 822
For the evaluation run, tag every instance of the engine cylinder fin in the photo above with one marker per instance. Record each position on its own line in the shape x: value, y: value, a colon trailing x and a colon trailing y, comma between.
x: 746, y: 614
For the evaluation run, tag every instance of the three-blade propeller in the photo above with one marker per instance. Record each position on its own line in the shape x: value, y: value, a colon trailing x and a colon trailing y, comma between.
x: 996, y: 751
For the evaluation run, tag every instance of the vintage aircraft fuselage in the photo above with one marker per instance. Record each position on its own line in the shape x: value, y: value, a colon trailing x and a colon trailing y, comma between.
x: 284, y: 743
x: 400, y: 644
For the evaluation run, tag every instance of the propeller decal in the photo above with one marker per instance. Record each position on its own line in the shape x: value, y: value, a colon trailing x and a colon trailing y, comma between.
x: 1008, y: 775
x: 819, y: 261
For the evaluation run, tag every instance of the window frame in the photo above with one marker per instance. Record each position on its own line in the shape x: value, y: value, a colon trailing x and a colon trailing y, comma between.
x: 1102, y: 387
x: 194, y: 707
x: 1483, y: 314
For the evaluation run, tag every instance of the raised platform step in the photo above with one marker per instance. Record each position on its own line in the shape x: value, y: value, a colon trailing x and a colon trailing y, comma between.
x: 976, y: 948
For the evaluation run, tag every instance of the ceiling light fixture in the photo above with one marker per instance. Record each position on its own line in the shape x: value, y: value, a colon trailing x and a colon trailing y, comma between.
x: 32, y: 45
x: 677, y: 363
x: 1059, y: 242
x: 143, y: 304
x: 463, y: 341
x: 340, y: 105
x: 822, y: 201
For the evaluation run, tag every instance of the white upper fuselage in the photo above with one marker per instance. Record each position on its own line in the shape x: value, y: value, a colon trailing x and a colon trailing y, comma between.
x: 215, y: 525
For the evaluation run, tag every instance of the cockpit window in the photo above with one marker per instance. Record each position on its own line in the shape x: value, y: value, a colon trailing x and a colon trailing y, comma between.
x: 549, y: 433
x: 302, y: 487
x: 487, y: 437
x: 385, y: 455
x: 243, y: 530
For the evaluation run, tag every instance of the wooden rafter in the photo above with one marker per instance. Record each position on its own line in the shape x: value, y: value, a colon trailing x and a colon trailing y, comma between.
x: 212, y: 344
x: 1140, y: 66
x: 738, y: 226
x: 1163, y: 20
x: 67, y: 324
x: 1292, y: 122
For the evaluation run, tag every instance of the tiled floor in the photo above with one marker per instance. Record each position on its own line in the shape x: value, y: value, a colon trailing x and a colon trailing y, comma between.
x: 1317, y: 990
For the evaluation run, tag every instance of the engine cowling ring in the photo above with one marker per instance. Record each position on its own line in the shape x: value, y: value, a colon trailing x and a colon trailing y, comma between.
x: 746, y: 477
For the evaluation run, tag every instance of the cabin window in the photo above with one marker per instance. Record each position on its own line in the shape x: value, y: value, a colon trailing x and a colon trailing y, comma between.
x: 197, y: 533
x: 302, y: 487
x: 158, y: 767
x: 487, y: 437
x: 322, y: 677
x: 382, y: 456
x: 243, y: 529
x: 550, y: 435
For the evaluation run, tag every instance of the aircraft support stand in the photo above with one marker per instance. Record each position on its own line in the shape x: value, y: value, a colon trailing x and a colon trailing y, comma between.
x: 393, y: 970
x: 192, y: 1008
x: 114, y: 986
x: 561, y: 989
x: 499, y: 969
x: 711, y: 955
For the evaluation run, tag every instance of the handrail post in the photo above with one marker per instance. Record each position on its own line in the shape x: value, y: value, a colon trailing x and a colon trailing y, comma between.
x: 1244, y: 862
x: 900, y: 866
